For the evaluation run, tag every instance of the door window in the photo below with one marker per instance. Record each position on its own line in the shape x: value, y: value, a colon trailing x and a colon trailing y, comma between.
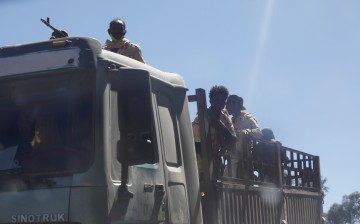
x: 168, y: 129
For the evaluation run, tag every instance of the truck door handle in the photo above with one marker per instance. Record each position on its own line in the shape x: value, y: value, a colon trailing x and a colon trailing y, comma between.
x: 159, y: 189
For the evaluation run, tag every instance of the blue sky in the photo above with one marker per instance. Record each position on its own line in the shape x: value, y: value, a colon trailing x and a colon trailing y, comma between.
x: 296, y: 63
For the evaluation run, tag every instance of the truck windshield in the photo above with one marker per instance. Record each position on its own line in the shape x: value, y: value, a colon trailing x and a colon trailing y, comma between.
x: 46, y: 123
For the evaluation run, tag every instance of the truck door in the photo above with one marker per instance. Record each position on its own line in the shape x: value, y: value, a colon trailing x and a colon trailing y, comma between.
x: 137, y: 175
x: 168, y: 131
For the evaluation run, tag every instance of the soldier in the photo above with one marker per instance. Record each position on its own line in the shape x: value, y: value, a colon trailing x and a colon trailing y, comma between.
x: 119, y: 44
x: 219, y: 129
x: 245, y: 126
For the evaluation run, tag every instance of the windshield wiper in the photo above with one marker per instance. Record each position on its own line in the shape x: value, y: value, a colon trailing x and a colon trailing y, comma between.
x: 31, y: 179
x: 11, y: 171
x: 42, y: 180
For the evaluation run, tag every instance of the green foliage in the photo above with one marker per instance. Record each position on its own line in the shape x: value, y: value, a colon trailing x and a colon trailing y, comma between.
x: 324, y: 188
x: 347, y: 212
x: 336, y: 214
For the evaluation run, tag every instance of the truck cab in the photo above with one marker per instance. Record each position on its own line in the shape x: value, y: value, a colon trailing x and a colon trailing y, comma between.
x: 90, y: 136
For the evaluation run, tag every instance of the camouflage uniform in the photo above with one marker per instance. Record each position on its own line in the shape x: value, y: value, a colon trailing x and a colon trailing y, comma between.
x: 219, y: 143
x: 126, y: 48
x: 245, y: 125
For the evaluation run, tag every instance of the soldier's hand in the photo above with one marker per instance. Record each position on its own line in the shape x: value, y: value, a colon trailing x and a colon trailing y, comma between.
x: 244, y: 132
x: 60, y: 34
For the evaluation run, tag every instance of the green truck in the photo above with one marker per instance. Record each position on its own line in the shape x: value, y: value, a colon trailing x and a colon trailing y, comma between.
x: 89, y: 136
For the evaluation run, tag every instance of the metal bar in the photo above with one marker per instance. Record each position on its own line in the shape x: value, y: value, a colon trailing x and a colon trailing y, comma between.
x: 192, y: 98
x: 210, y: 200
x: 278, y: 170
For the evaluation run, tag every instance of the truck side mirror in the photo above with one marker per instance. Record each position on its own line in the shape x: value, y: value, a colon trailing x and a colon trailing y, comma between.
x: 135, y: 115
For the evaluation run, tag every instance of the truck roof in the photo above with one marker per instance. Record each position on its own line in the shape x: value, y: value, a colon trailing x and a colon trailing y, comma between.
x: 35, y: 57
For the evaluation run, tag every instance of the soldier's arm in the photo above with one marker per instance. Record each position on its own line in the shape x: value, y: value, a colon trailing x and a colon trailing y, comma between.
x: 137, y: 53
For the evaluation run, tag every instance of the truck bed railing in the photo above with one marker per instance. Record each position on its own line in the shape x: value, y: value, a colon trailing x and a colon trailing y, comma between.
x: 270, y: 163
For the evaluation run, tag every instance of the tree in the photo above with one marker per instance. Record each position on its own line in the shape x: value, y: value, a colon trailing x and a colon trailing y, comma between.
x: 351, y: 205
x: 347, y: 212
x: 336, y: 214
x: 324, y: 188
